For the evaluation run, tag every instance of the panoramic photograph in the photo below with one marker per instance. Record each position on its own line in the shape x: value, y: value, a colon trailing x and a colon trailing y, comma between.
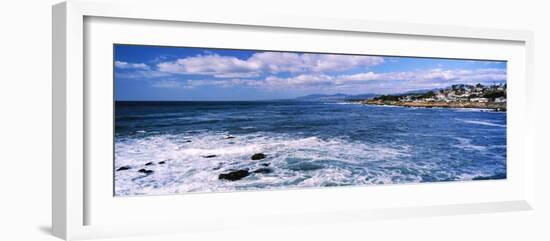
x: 195, y: 120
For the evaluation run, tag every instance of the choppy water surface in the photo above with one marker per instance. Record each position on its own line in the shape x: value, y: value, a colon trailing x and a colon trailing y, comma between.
x: 307, y: 144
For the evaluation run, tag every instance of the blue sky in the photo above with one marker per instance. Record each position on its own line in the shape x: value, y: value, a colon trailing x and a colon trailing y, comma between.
x: 204, y: 74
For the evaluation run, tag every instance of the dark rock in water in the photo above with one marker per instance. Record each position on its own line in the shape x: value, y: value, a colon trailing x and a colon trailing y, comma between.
x: 186, y: 141
x: 234, y: 175
x: 162, y: 162
x: 258, y: 156
x: 263, y: 170
x: 209, y: 156
x: 149, y: 163
x: 145, y: 171
x: 265, y: 164
x: 493, y: 177
x: 123, y: 168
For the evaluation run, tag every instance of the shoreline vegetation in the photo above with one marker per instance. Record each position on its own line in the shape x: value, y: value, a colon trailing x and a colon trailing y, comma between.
x: 478, y: 96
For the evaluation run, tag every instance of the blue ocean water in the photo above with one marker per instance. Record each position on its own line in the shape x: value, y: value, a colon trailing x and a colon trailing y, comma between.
x: 307, y: 144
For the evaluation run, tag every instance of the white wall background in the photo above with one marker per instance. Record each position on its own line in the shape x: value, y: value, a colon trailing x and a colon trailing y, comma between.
x: 25, y: 120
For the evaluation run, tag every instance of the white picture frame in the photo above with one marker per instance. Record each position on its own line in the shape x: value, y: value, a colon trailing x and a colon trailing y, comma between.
x: 73, y: 185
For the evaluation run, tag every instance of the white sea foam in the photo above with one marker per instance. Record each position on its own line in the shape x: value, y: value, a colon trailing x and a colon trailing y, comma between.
x: 341, y: 103
x: 387, y: 106
x: 247, y: 127
x: 485, y: 123
x: 466, y: 143
x: 295, y: 161
x: 473, y: 110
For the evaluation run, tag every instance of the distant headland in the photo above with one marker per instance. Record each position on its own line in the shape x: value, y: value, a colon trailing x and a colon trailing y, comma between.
x: 456, y: 96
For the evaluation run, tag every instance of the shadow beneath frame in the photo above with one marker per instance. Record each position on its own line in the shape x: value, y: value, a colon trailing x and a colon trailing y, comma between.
x: 46, y: 229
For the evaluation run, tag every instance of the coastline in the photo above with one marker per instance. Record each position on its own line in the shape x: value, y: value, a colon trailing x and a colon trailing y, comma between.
x: 501, y: 107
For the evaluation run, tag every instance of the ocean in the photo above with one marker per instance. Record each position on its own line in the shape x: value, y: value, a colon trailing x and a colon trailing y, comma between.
x: 182, y: 147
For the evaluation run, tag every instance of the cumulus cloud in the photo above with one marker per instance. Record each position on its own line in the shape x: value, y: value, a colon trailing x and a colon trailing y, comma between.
x: 168, y: 84
x: 304, y: 71
x: 464, y: 76
x: 223, y: 82
x: 126, y: 65
x: 141, y: 74
x: 215, y: 65
x: 441, y: 76
x: 331, y: 63
x: 266, y: 62
x: 409, y: 80
x: 299, y: 80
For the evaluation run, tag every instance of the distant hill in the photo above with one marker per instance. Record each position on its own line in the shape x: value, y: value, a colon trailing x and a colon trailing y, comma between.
x: 335, y: 97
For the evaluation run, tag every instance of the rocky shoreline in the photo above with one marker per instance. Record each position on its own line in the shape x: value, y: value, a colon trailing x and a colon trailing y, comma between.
x: 439, y: 104
x: 478, y: 96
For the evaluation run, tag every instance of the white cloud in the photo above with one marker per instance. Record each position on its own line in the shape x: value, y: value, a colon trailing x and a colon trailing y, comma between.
x: 168, y: 84
x: 392, y: 80
x: 223, y: 82
x: 299, y: 81
x: 266, y: 62
x: 332, y: 63
x: 444, y: 77
x: 141, y: 74
x: 463, y: 76
x: 215, y: 65
x: 126, y: 65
